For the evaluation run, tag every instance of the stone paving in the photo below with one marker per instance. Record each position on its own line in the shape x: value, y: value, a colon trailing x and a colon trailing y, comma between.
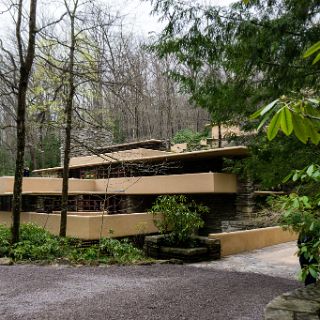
x: 278, y: 261
x: 300, y: 304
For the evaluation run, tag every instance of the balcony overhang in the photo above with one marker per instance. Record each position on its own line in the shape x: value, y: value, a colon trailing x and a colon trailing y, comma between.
x: 194, y: 183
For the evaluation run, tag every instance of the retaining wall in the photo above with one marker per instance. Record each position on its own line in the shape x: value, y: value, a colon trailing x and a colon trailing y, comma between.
x: 247, y: 240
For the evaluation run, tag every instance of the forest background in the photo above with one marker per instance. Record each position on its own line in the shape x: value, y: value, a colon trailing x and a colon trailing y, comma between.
x: 209, y: 64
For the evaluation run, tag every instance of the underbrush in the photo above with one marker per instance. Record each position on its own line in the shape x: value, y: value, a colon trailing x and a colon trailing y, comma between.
x: 37, y: 244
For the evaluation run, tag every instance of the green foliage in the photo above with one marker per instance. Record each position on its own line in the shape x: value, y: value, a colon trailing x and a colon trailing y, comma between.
x: 301, y: 213
x: 271, y: 39
x: 6, y: 162
x: 312, y: 50
x: 117, y: 132
x: 46, y: 154
x: 37, y: 244
x: 51, y: 151
x: 235, y: 59
x: 107, y: 251
x: 190, y: 137
x: 300, y: 116
x: 5, y: 237
x: 180, y: 217
x: 309, y: 173
x: 271, y: 161
x: 197, y: 38
x: 120, y: 251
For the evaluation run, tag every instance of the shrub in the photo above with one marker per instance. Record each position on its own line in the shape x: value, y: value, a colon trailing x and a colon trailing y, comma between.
x: 179, y: 216
x: 120, y: 251
x: 4, y: 241
x: 191, y: 138
x: 301, y: 214
x: 38, y: 244
x: 89, y: 254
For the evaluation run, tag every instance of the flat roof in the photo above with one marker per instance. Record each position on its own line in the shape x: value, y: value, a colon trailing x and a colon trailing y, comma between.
x: 132, y: 145
x: 118, y: 156
x: 145, y: 155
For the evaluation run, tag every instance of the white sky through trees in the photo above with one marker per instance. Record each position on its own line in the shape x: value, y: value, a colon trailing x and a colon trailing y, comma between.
x: 137, y: 13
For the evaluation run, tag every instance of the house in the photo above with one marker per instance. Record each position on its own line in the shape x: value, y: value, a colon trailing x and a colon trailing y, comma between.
x: 110, y: 193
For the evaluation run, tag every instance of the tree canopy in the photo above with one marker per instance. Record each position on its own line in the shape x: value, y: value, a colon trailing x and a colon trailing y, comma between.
x: 231, y: 60
x: 234, y: 61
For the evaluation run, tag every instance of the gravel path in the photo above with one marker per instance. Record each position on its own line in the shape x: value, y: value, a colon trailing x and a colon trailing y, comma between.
x: 135, y: 292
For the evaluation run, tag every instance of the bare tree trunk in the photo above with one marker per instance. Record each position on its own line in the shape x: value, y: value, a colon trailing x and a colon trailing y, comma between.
x: 136, y: 122
x: 168, y: 109
x: 198, y: 121
x: 25, y: 70
x: 219, y: 136
x: 33, y: 156
x: 68, y: 119
x: 42, y: 121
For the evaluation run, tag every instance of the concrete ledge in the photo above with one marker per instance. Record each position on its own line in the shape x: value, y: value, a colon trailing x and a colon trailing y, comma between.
x: 247, y: 240
x: 89, y: 227
x: 303, y: 303
x: 168, y: 184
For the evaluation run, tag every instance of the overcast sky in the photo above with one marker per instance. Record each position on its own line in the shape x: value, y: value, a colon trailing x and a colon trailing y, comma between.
x: 138, y: 13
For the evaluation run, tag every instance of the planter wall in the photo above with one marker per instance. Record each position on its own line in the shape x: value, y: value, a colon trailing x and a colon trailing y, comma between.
x: 208, y: 249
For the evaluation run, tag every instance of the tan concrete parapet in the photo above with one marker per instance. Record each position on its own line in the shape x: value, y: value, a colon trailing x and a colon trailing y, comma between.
x: 41, y: 185
x: 89, y: 226
x: 78, y: 226
x: 121, y: 225
x: 247, y: 240
x: 169, y: 184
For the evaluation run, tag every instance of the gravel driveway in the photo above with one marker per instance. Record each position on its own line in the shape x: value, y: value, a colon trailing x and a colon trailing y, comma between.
x: 135, y: 292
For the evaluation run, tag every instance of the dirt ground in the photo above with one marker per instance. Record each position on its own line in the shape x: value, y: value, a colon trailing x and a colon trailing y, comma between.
x: 135, y: 292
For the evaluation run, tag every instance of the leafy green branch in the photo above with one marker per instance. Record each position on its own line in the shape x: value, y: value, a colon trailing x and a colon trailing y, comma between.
x: 312, y: 50
x: 300, y: 116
